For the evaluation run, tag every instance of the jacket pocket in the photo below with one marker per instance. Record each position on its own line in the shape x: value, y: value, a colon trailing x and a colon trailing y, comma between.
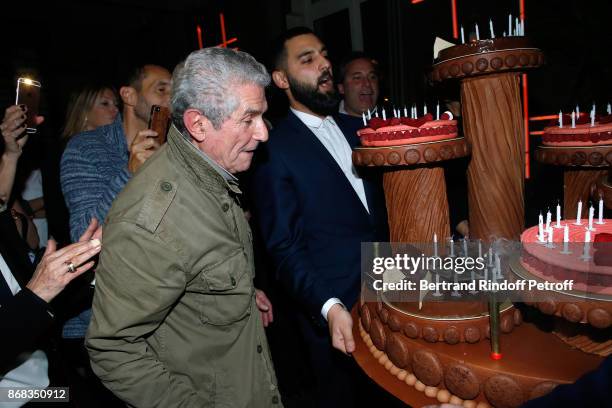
x: 228, y: 291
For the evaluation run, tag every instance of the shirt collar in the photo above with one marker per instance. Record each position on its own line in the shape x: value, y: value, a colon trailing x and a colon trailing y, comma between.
x: 310, y: 120
x: 219, y: 169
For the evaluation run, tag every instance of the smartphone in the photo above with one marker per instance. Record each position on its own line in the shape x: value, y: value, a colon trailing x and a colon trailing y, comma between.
x: 28, y: 93
x: 159, y: 121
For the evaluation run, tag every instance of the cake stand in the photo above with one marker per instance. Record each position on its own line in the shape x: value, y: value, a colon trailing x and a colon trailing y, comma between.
x: 493, y: 125
x: 415, y: 190
x: 583, y: 168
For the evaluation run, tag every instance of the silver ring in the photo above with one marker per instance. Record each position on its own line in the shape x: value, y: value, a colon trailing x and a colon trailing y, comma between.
x: 71, y: 268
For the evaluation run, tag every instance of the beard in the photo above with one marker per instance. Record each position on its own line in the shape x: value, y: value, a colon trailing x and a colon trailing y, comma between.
x: 323, y: 104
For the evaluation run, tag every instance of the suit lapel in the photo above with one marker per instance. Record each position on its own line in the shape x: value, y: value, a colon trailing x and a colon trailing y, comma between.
x: 310, y: 143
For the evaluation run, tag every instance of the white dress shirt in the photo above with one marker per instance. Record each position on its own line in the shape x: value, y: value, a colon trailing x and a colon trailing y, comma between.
x: 331, y: 137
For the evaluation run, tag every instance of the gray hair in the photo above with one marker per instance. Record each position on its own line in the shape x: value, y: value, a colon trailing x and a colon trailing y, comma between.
x: 204, y: 81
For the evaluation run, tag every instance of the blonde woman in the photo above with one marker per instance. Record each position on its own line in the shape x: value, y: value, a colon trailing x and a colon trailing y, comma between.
x: 90, y: 107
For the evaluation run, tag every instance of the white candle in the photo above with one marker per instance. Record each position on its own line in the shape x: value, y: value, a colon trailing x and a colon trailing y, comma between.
x: 365, y: 123
x: 438, y: 111
x: 462, y: 36
x: 560, y: 119
x: 609, y: 109
x: 541, y: 228
x: 491, y: 28
x: 384, y: 114
x: 550, y: 237
x: 516, y: 27
x: 573, y: 119
x: 424, y: 109
x: 369, y: 115
x: 522, y: 27
x: 479, y: 248
x: 600, y: 221
x: 376, y: 113
x: 577, y: 111
x: 497, y: 266
x: 415, y: 114
x: 504, y: 34
x: 435, y: 240
x: 593, y: 118
x: 465, y: 247
x: 477, y: 32
x: 548, y: 219
x: 591, y: 214
x: 405, y: 112
x: 579, y: 213
x: 558, y: 216
x: 587, y: 239
x: 509, y: 24
x: 452, y: 247
x: 566, y: 240
x: 490, y: 256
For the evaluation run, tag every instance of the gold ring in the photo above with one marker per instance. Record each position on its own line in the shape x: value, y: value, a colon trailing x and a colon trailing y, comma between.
x: 71, y: 268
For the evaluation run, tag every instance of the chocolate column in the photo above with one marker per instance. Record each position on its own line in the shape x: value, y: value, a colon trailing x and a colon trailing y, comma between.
x: 492, y: 124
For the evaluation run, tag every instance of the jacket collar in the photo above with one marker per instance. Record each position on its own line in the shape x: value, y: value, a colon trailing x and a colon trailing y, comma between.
x: 199, y: 167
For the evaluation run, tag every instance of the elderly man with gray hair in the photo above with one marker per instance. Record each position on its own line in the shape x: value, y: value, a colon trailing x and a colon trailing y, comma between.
x: 176, y: 319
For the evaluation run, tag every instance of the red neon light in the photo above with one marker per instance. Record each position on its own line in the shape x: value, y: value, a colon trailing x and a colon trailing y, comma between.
x: 416, y: 1
x: 455, y: 28
x: 230, y: 41
x: 199, y: 33
x: 223, y: 35
x: 526, y: 124
x: 543, y: 117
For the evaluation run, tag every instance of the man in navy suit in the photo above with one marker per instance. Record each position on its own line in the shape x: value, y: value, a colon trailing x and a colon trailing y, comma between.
x: 314, y: 211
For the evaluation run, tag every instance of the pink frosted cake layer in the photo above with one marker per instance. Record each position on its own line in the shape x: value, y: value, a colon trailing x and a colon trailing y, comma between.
x: 550, y: 264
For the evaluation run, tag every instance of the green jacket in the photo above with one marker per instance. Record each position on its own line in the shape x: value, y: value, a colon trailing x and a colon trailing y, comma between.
x: 174, y: 317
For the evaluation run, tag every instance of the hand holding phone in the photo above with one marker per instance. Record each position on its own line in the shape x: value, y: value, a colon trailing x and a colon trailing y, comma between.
x: 28, y: 93
x: 159, y: 121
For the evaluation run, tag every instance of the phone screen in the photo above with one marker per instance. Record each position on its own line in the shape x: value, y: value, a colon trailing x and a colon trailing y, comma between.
x: 159, y: 121
x: 28, y: 93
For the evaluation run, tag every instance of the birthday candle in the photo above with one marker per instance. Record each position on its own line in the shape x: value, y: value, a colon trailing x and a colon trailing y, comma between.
x: 558, y: 216
x: 438, y: 111
x: 548, y: 219
x: 573, y: 119
x: 593, y: 117
x: 550, y: 236
x: 364, y: 120
x: 504, y: 34
x: 609, y: 109
x: 577, y: 111
x: 477, y: 32
x: 522, y: 27
x: 479, y: 248
x: 509, y: 24
x: 376, y: 113
x: 540, y: 228
x: 405, y: 112
x: 491, y: 28
x: 566, y: 233
x: 560, y: 119
x: 497, y: 265
x: 369, y: 115
x: 465, y: 247
x: 600, y: 211
x: 462, y: 36
x: 435, y: 240
x: 384, y: 115
x: 591, y: 213
x: 579, y: 213
x: 452, y: 247
x: 587, y: 239
x: 424, y: 109
x: 516, y: 27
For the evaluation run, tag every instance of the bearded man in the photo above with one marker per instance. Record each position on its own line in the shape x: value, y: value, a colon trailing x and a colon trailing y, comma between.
x: 314, y: 210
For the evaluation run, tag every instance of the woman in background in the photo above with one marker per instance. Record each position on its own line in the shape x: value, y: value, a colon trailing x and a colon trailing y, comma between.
x: 90, y: 107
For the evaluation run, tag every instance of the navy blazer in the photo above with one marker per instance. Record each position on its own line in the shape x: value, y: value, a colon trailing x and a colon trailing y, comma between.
x: 311, y: 219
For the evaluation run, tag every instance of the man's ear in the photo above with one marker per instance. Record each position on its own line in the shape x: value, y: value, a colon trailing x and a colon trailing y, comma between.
x: 129, y: 95
x: 341, y: 89
x: 196, y: 124
x: 280, y: 79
